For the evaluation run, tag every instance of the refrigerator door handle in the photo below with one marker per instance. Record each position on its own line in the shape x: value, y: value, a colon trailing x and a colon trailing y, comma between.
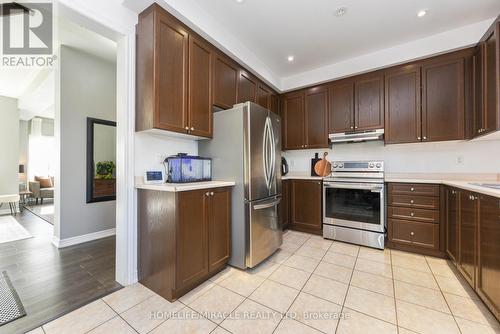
x: 267, y: 205
x: 273, y: 153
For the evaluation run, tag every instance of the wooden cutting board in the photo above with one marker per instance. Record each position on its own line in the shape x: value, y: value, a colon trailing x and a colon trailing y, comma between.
x: 323, y: 167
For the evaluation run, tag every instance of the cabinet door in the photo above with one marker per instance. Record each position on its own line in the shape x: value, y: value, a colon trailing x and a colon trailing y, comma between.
x: 403, y: 122
x: 443, y: 100
x: 275, y: 104
x: 491, y: 80
x: 489, y: 252
x: 341, y: 107
x: 219, y: 228
x: 369, y: 102
x: 225, y: 82
x: 306, y: 206
x: 477, y: 96
x: 285, y: 204
x: 200, y: 88
x: 192, y: 238
x: 316, y: 109
x: 467, y: 236
x: 172, y: 76
x: 247, y: 87
x: 293, y: 115
x: 452, y: 219
x: 264, y: 97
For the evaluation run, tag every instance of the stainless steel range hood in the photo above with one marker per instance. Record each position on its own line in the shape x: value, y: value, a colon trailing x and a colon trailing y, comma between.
x: 356, y: 137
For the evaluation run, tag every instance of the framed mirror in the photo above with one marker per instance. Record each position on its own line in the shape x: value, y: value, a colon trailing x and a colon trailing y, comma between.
x: 101, y: 160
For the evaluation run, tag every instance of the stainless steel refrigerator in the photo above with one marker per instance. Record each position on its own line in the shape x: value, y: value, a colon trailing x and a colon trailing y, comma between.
x: 246, y: 148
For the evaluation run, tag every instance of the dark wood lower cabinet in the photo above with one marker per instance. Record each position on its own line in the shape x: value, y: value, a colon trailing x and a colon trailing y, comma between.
x: 488, y: 279
x: 285, y: 203
x: 452, y: 222
x: 184, y: 238
x: 467, y: 237
x: 473, y: 242
x: 305, y: 206
x: 415, y: 221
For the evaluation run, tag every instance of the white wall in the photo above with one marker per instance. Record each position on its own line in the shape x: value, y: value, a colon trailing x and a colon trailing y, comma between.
x: 9, y: 146
x: 87, y: 88
x: 476, y: 157
x: 151, y: 150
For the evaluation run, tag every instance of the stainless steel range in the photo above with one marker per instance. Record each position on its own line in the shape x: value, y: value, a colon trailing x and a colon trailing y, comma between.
x: 354, y: 203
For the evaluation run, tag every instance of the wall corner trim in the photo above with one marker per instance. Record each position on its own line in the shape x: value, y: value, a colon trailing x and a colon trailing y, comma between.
x: 62, y: 243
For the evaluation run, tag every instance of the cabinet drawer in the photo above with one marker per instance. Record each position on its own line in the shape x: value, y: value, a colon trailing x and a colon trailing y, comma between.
x: 414, y: 189
x: 412, y: 201
x: 428, y: 216
x: 416, y: 234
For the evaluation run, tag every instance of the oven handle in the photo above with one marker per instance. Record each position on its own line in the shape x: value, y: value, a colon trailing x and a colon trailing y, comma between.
x: 376, y: 189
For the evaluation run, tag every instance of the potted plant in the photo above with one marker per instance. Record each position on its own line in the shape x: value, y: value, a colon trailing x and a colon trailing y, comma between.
x: 105, y: 170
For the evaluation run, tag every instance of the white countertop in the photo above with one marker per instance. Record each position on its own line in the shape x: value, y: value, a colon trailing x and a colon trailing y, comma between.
x: 176, y: 187
x: 462, y: 181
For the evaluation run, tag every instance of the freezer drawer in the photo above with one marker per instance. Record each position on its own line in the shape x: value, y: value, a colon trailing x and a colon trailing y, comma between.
x: 264, y: 233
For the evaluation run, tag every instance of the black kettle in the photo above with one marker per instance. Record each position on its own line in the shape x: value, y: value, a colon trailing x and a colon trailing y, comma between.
x: 284, y: 166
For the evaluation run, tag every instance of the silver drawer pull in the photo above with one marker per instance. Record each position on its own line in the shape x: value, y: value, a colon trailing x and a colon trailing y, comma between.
x: 412, y: 189
x: 411, y: 233
x: 412, y: 201
x: 412, y: 214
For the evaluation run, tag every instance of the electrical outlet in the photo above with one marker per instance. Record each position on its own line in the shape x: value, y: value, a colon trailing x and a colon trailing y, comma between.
x: 460, y: 159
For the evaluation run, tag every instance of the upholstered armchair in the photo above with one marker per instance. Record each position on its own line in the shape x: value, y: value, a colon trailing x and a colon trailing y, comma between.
x: 40, y: 192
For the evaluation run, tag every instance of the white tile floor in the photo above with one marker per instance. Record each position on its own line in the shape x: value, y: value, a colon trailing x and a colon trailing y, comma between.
x: 319, y: 285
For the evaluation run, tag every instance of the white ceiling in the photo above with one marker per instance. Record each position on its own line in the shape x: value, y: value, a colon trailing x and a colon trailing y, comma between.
x: 263, y: 33
x: 34, y: 87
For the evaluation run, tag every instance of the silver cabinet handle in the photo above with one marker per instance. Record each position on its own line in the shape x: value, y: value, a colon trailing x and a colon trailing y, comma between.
x: 412, y: 201
x: 412, y: 189
x: 424, y: 138
x: 419, y: 138
x: 187, y: 128
x: 211, y: 193
x: 412, y: 233
x: 352, y: 127
x: 207, y: 194
x: 412, y: 214
x: 192, y: 128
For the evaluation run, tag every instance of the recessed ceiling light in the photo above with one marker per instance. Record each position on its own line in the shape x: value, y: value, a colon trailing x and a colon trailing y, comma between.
x: 240, y: 1
x: 422, y: 13
x: 290, y: 58
x: 340, y: 11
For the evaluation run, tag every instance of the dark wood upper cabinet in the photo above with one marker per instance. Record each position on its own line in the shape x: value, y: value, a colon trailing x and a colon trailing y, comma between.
x: 478, y: 110
x: 275, y: 104
x: 225, y: 82
x: 491, y: 83
x: 369, y: 102
x: 162, y: 86
x: 341, y: 106
x: 488, y: 285
x: 191, y: 236
x: 402, y: 105
x: 247, y: 87
x: 467, y: 257
x: 219, y: 228
x: 293, y: 120
x: 264, y: 96
x: 443, y: 111
x: 316, y: 116
x: 200, y: 87
x: 305, y: 206
x: 452, y: 222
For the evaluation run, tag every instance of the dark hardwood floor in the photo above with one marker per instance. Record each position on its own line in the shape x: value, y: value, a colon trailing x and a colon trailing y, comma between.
x: 50, y: 281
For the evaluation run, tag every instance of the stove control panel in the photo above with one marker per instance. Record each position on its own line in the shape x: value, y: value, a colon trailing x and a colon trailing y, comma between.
x: 358, y: 166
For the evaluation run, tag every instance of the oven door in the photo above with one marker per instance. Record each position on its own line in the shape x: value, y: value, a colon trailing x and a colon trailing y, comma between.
x: 355, y: 205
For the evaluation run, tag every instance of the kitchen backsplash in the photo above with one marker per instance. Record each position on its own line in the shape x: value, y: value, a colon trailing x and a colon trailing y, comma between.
x: 451, y: 157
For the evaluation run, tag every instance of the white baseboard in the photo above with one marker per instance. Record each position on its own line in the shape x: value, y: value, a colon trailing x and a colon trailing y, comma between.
x: 61, y: 243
